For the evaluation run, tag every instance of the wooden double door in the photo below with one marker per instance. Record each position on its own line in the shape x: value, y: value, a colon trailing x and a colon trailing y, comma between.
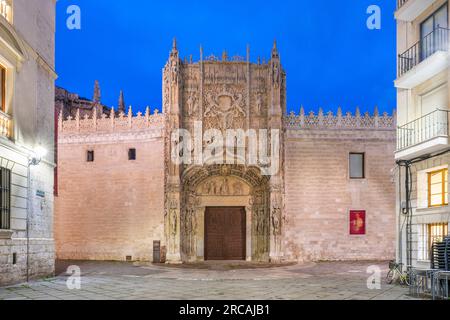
x: 225, y: 233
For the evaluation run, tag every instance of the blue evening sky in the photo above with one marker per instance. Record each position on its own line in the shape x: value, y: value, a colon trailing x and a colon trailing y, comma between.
x: 331, y: 58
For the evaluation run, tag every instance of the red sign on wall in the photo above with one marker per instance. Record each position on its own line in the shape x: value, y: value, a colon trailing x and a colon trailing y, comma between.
x: 357, y: 222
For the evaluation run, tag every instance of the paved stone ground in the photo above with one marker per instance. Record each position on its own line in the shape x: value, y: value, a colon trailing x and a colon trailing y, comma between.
x: 211, y: 281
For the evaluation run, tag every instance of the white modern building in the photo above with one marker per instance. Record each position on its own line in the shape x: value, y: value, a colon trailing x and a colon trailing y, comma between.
x: 423, y: 133
x: 26, y: 139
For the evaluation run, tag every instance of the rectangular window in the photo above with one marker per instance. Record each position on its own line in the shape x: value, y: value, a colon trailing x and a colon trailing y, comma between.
x: 357, y: 166
x: 2, y: 89
x: 429, y: 234
x: 132, y: 154
x: 5, y: 198
x: 90, y: 156
x: 438, y: 188
x: 433, y: 33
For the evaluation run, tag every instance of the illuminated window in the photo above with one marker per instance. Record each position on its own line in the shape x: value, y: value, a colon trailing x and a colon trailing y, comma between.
x: 429, y: 234
x: 438, y: 188
x: 6, y: 10
x: 2, y: 88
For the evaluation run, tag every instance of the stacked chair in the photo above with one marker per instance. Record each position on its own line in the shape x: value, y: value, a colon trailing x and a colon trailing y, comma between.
x: 440, y: 263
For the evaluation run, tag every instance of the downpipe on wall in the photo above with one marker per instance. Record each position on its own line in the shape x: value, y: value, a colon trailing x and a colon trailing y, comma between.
x: 406, y: 207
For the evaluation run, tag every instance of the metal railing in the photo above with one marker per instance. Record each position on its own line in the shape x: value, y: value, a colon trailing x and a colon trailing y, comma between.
x: 6, y: 10
x: 432, y: 125
x: 5, y: 125
x: 437, y: 40
x: 400, y: 3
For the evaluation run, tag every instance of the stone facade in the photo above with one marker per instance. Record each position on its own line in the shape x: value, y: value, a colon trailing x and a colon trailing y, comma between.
x: 320, y: 193
x: 114, y: 208
x: 110, y: 208
x: 27, y: 122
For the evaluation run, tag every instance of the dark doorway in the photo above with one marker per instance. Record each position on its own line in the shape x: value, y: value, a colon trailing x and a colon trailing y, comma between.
x: 225, y: 233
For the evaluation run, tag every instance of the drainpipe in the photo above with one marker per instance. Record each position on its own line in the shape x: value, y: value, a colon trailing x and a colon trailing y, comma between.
x: 28, y: 218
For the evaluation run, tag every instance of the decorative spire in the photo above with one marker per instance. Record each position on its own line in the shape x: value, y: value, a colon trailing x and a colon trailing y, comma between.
x: 174, y: 45
x: 97, y: 92
x: 224, y: 56
x: 121, y: 105
x: 275, y: 49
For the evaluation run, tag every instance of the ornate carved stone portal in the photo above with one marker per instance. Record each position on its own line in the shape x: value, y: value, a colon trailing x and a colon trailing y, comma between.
x: 221, y: 95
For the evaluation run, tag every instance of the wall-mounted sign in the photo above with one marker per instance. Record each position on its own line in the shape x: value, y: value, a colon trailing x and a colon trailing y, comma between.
x: 40, y: 194
x: 357, y: 222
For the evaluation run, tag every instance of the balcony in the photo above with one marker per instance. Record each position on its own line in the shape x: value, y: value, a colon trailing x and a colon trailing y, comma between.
x: 6, y: 10
x: 422, y: 136
x: 5, y: 125
x: 424, y: 59
x: 409, y: 10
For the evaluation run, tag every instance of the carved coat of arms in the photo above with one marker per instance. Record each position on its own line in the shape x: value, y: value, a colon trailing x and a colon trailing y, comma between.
x: 224, y: 108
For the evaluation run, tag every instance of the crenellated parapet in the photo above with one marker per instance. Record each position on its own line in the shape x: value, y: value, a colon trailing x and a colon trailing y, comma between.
x: 112, y: 123
x: 341, y: 121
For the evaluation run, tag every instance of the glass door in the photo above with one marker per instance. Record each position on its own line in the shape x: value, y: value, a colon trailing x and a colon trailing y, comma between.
x: 434, y: 33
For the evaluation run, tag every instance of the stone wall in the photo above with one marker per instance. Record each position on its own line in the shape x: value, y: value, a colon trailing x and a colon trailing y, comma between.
x: 320, y: 194
x: 27, y: 52
x: 110, y: 208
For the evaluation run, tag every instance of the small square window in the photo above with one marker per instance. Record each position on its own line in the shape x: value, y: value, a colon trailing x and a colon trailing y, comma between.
x: 357, y: 166
x: 132, y: 154
x: 90, y: 156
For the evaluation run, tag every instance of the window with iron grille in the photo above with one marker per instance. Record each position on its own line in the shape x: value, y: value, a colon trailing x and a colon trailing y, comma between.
x: 428, y: 235
x: 5, y: 198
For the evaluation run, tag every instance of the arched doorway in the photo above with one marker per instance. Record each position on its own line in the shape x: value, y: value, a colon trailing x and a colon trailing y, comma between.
x: 236, y: 197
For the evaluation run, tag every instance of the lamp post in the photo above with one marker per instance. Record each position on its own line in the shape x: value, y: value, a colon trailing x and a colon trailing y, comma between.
x: 34, y: 160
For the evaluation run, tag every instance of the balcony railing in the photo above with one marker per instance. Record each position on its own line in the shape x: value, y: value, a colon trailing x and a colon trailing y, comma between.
x: 432, y: 125
x: 5, y: 125
x: 437, y: 40
x: 400, y: 3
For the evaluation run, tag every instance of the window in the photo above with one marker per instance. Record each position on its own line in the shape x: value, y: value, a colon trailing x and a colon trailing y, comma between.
x: 90, y: 156
x: 132, y: 154
x: 432, y: 32
x: 6, y: 10
x: 357, y: 166
x: 438, y: 188
x: 2, y: 89
x: 429, y: 234
x: 5, y: 198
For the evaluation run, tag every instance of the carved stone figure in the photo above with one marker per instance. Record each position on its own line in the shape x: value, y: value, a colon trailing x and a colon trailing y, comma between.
x: 238, y: 189
x: 259, y: 103
x: 191, y: 104
x: 276, y: 75
x: 174, y: 71
x: 173, y: 218
x: 276, y: 221
x: 224, y: 187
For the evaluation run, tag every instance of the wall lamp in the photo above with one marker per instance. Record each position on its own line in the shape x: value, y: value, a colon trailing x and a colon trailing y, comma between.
x: 39, y: 153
